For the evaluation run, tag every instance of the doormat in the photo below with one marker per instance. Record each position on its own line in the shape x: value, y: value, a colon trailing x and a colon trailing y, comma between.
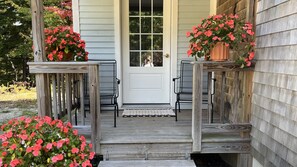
x: 148, y: 113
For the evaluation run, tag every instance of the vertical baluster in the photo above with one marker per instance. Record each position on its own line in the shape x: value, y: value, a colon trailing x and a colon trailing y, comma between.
x: 54, y: 91
x: 68, y: 96
x: 59, y: 95
x: 82, y: 99
x: 209, y: 86
x: 50, y: 95
x: 222, y: 102
x: 63, y: 93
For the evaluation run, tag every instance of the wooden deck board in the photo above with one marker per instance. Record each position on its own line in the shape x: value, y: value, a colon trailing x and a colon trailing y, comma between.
x: 149, y: 163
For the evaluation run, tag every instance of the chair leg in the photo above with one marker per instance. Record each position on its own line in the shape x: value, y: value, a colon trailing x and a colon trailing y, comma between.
x: 115, y: 117
x: 175, y: 110
x: 178, y: 106
x: 117, y: 109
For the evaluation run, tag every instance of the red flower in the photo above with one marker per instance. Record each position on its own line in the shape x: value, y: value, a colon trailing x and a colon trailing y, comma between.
x: 14, y: 162
x: 188, y: 34
x: 231, y: 36
x: 49, y: 146
x: 250, y: 32
x: 13, y: 146
x: 74, y: 150
x: 87, y: 163
x: 208, y: 33
x: 57, y: 158
x: 251, y: 55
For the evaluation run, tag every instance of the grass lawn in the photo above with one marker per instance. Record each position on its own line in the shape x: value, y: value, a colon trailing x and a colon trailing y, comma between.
x: 17, y: 101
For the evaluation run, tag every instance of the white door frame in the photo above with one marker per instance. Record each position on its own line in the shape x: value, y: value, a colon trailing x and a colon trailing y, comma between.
x: 119, y: 48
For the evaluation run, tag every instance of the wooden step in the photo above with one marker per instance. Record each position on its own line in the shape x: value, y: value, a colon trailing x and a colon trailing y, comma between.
x: 146, y: 151
x: 148, y: 163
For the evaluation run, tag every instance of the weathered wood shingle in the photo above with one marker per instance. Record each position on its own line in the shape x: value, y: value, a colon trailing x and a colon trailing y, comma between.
x: 274, y: 101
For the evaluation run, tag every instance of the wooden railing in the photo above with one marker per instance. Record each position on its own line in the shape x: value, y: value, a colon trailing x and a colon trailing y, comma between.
x: 207, y: 137
x: 61, y: 94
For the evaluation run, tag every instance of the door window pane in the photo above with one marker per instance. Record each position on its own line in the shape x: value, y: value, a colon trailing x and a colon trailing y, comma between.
x: 158, y: 24
x: 134, y: 42
x: 146, y: 9
x: 158, y: 42
x: 146, y: 42
x: 158, y: 8
x: 146, y: 59
x: 134, y: 59
x: 134, y: 24
x: 158, y: 59
x: 146, y: 25
x: 133, y: 7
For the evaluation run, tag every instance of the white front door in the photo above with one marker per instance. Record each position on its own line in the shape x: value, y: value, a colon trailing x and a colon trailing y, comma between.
x: 146, y: 51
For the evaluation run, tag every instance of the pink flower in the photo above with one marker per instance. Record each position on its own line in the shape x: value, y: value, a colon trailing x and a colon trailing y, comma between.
x: 251, y: 55
x: 87, y: 163
x: 49, y: 146
x: 231, y: 36
x: 74, y: 150
x: 250, y: 32
x: 14, y: 162
x: 39, y: 141
x: 189, y: 52
x: 188, y: 34
x: 208, y: 33
x: 92, y: 155
x: 57, y: 158
x: 13, y: 146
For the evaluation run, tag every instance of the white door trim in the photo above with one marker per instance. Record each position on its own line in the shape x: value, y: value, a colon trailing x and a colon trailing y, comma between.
x: 118, y: 45
x: 174, y: 38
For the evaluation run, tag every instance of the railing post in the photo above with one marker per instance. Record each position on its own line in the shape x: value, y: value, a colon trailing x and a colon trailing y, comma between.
x: 43, y: 100
x: 95, y: 106
x: 197, y: 106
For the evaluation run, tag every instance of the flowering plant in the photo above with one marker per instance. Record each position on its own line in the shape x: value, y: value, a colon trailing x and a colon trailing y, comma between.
x: 42, y: 142
x: 62, y: 44
x: 230, y: 30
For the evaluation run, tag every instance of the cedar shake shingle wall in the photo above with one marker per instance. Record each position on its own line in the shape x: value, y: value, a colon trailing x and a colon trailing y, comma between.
x: 274, y: 104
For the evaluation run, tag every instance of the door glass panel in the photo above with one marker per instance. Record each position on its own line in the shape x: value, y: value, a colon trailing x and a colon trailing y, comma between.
x: 158, y: 59
x: 158, y: 42
x: 134, y: 59
x: 134, y: 42
x: 146, y: 42
x: 146, y: 33
x: 146, y: 9
x: 158, y: 24
x: 147, y: 59
x: 134, y: 7
x: 158, y: 8
x: 134, y: 24
x: 146, y: 25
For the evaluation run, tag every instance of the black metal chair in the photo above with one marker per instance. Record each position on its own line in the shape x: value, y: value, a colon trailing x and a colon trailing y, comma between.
x: 183, y: 85
x: 108, y: 84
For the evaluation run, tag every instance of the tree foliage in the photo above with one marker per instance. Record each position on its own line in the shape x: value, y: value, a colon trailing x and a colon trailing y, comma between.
x: 16, y: 34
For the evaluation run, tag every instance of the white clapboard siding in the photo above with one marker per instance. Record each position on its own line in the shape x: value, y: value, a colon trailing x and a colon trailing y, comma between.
x: 190, y: 13
x: 96, y: 23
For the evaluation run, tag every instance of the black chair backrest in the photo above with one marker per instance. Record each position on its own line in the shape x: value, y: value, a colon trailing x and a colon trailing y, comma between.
x: 107, y: 76
x: 186, y: 76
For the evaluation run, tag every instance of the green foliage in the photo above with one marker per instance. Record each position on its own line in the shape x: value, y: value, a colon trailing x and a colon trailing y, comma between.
x: 16, y: 36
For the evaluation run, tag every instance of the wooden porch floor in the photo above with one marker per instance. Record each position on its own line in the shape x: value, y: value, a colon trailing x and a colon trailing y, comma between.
x: 153, y: 138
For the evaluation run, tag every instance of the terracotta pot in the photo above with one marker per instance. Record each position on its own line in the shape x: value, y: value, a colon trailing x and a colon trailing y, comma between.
x: 220, y: 52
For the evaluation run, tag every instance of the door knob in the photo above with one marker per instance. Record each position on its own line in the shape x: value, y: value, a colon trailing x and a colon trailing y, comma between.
x: 166, y: 55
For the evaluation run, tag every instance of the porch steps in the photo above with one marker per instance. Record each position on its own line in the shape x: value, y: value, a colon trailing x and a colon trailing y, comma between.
x: 147, y: 149
x: 148, y: 163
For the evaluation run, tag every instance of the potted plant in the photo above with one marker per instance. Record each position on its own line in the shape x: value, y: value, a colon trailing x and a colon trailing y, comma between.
x: 63, y: 44
x: 222, y: 32
x: 43, y: 142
